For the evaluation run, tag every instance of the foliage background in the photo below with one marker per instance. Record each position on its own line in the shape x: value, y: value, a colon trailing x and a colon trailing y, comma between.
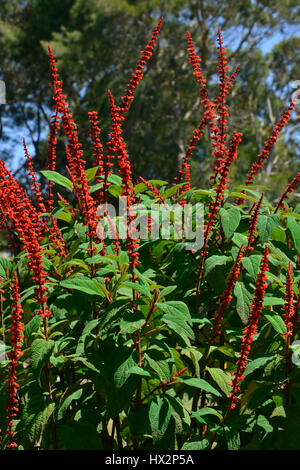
x: 96, y: 43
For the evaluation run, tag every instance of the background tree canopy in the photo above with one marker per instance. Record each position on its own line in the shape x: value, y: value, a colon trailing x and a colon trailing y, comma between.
x: 96, y: 41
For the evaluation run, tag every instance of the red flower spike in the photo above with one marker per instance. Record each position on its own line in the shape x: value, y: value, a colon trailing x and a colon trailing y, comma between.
x: 226, y: 296
x: 17, y: 208
x: 289, y: 190
x: 250, y: 329
x: 139, y: 72
x: 127, y: 186
x: 289, y: 309
x: 269, y: 144
x: 75, y: 158
x: 97, y: 150
x: 154, y: 190
x: 252, y: 226
x: 34, y: 184
x: 17, y: 329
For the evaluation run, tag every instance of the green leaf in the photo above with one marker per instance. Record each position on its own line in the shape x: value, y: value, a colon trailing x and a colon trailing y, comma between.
x: 91, y: 172
x: 33, y: 326
x: 124, y: 371
x: 273, y: 301
x: 204, y: 412
x: 83, y: 284
x: 243, y: 298
x: 264, y: 423
x: 40, y: 352
x: 159, y: 416
x: 222, y: 378
x: 265, y: 225
x: 196, y: 443
x: 294, y: 229
x: 230, y: 219
x: 58, y: 178
x: 199, y: 383
x: 158, y: 362
x: 130, y: 322
x: 277, y: 323
x: 257, y: 363
x: 35, y: 416
x: 213, y: 261
x: 5, y: 264
x: 142, y: 288
x: 66, y: 401
x: 173, y: 307
x: 251, y: 264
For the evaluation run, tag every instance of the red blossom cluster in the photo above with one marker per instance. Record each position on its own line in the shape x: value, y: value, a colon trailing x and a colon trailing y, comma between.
x: 18, y: 209
x: 119, y: 147
x: 289, y: 308
x: 16, y: 330
x: 154, y: 190
x: 75, y: 156
x: 250, y: 330
x: 139, y: 72
x: 289, y: 190
x: 97, y: 148
x: 222, y: 183
x: 34, y: 184
x: 252, y: 226
x: 226, y: 296
x: 126, y: 100
x: 269, y: 144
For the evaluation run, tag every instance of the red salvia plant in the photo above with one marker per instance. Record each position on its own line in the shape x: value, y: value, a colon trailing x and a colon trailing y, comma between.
x: 269, y: 144
x: 215, y: 205
x: 252, y: 226
x: 34, y: 184
x: 127, y: 98
x: 18, y: 209
x: 139, y: 72
x: 154, y: 190
x: 249, y: 331
x: 75, y: 157
x: 226, y: 296
x: 97, y: 150
x: 289, y: 309
x: 14, y: 355
x: 127, y: 186
x: 289, y: 190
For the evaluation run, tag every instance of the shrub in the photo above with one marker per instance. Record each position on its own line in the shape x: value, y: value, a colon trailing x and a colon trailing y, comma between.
x: 129, y: 343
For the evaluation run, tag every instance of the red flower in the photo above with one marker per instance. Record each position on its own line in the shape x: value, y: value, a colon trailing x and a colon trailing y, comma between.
x: 226, y: 296
x: 289, y: 190
x: 119, y: 147
x: 97, y: 150
x: 138, y: 75
x: 289, y: 305
x: 75, y: 158
x: 269, y: 144
x: 14, y: 355
x: 18, y: 209
x: 250, y: 330
x: 252, y: 226
x: 34, y: 184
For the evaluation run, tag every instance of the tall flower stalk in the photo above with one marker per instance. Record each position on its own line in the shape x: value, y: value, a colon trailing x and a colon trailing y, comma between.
x: 16, y: 330
x: 249, y: 331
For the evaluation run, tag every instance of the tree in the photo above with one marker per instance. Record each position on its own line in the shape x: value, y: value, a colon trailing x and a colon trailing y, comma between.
x: 96, y: 43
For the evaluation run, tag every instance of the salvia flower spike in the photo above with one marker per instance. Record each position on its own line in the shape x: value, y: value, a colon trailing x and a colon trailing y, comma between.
x: 250, y: 330
x: 16, y: 329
